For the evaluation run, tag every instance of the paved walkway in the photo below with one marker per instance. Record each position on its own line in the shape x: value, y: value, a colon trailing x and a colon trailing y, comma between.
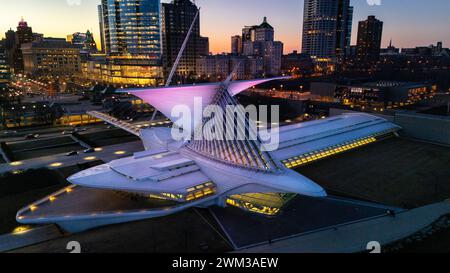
x: 354, y: 237
x: 34, y: 236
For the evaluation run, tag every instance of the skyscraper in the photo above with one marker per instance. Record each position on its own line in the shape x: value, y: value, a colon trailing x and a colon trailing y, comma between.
x: 177, y: 17
x: 236, y: 45
x: 10, y: 47
x: 259, y: 41
x: 369, y: 40
x: 24, y: 34
x: 327, y: 28
x: 132, y: 42
x: 132, y: 28
x: 4, y: 67
x: 101, y: 24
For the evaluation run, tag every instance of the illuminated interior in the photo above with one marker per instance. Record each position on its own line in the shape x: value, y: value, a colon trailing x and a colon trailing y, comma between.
x: 269, y: 204
x: 194, y: 193
x: 201, y: 191
x: 307, y: 158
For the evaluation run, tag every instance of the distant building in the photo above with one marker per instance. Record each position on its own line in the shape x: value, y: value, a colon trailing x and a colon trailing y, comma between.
x: 101, y: 24
x: 369, y: 40
x: 5, y: 72
x: 218, y: 67
x: 384, y: 94
x: 84, y: 41
x: 390, y: 50
x: 24, y: 34
x: 297, y: 63
x: 258, y: 41
x: 327, y: 28
x: 425, y: 51
x: 177, y: 17
x: 51, y: 56
x: 236, y: 45
x: 37, y: 37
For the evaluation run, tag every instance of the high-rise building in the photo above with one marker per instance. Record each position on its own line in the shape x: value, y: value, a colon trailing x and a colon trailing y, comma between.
x: 177, y: 18
x: 132, y: 42
x: 327, y: 29
x: 10, y: 47
x: 24, y: 34
x: 5, y: 72
x: 259, y: 41
x: 101, y: 24
x: 236, y: 45
x: 264, y: 32
x: 369, y: 40
x: 132, y: 28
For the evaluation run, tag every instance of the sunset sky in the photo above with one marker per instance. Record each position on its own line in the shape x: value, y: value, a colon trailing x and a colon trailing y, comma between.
x: 407, y: 22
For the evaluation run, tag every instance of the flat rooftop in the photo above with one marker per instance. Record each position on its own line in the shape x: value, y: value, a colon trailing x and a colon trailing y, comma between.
x: 397, y: 172
x: 299, y: 216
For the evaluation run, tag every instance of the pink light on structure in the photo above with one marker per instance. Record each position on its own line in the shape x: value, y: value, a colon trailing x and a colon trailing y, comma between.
x: 239, y: 86
x: 23, y: 23
x: 166, y: 98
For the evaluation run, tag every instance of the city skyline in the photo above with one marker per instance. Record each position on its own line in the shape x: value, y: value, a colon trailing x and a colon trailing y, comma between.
x: 401, y: 25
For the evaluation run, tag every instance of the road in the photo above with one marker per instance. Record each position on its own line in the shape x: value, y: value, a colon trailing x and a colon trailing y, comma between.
x: 106, y: 154
x: 57, y: 131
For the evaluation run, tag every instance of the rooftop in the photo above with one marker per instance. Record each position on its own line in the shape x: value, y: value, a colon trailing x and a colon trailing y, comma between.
x: 265, y: 24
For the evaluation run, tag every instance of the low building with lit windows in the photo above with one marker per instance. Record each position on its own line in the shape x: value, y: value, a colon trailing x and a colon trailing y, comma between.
x: 51, y: 56
x: 384, y: 94
x: 122, y: 71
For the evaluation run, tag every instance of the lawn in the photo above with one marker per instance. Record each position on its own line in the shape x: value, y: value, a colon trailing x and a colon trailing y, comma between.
x: 396, y: 172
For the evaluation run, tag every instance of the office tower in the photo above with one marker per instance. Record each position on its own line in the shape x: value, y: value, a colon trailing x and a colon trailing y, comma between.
x: 10, y: 47
x: 24, y: 34
x: 327, y: 29
x: 177, y: 17
x: 132, y: 28
x: 101, y: 28
x: 259, y: 41
x: 132, y: 34
x: 236, y: 45
x: 4, y: 66
x: 264, y: 32
x: 369, y: 40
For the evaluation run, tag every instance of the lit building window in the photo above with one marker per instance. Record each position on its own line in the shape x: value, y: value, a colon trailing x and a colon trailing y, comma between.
x: 307, y: 158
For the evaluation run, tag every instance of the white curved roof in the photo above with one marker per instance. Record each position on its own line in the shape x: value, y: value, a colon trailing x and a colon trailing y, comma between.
x: 311, y: 136
x: 166, y: 98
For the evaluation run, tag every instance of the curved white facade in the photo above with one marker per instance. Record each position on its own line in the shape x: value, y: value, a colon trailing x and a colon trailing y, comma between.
x: 173, y: 171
